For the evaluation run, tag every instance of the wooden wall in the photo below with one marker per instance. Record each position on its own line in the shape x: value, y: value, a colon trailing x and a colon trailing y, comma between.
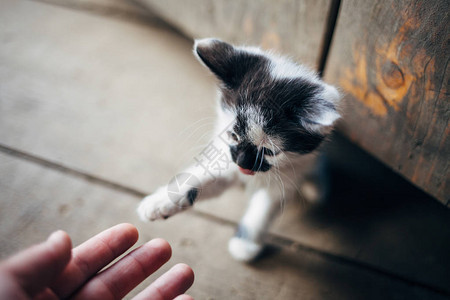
x: 390, y: 58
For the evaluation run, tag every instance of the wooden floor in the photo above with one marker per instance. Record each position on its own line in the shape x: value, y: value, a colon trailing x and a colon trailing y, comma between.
x: 100, y: 106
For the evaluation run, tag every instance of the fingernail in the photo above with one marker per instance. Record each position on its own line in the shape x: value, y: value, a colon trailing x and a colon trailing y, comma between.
x: 55, y: 236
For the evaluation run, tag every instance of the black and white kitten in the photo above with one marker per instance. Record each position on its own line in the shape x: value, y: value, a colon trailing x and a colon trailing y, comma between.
x: 272, y: 113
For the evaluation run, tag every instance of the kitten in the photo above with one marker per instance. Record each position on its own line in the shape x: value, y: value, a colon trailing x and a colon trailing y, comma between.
x: 272, y: 113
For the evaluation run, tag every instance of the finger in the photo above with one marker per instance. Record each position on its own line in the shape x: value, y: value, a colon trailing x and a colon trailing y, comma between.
x: 174, y: 282
x: 94, y: 254
x: 116, y: 281
x: 34, y: 268
x: 184, y: 297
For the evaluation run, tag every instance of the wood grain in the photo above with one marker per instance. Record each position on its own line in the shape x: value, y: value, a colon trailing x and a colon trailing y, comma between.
x: 391, y: 60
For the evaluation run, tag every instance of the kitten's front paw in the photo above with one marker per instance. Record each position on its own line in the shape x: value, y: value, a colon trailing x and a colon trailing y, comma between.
x: 156, y: 206
x: 243, y: 249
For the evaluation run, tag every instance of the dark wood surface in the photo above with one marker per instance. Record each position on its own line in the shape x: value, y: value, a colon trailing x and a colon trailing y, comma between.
x: 391, y: 60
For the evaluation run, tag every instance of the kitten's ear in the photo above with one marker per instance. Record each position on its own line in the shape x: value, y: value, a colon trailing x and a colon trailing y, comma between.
x: 325, y: 113
x: 217, y: 56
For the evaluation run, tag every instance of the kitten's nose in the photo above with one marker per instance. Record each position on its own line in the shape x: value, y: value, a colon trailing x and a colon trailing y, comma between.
x: 246, y: 156
x: 244, y: 161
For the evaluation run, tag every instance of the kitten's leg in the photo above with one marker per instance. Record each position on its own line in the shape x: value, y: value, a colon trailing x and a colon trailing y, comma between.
x: 247, y: 244
x: 183, y: 190
x: 316, y: 185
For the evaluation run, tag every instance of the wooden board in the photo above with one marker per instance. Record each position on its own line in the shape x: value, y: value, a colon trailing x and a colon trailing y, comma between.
x: 96, y: 87
x: 293, y: 27
x: 391, y: 60
x: 35, y: 201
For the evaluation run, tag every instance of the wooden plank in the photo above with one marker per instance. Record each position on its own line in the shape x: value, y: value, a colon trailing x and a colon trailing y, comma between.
x: 292, y: 27
x: 391, y: 60
x: 97, y: 88
x: 36, y: 201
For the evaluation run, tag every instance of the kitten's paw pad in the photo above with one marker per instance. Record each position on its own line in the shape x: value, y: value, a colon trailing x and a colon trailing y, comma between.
x: 156, y: 206
x: 243, y: 249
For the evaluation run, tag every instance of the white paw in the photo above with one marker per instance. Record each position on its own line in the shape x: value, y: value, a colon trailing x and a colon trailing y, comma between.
x: 312, y: 193
x: 157, y: 206
x: 244, y: 250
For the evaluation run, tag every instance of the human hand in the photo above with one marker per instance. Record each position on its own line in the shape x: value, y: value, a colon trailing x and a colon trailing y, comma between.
x: 51, y: 270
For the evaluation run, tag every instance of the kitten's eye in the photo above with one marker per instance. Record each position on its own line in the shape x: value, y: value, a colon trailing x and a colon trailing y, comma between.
x: 233, y: 136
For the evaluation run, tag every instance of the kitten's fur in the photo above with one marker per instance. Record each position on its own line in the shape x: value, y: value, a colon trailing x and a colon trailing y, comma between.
x: 272, y: 114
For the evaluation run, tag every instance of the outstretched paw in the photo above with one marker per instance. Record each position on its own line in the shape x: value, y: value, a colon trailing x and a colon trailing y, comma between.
x: 156, y: 206
x: 163, y: 204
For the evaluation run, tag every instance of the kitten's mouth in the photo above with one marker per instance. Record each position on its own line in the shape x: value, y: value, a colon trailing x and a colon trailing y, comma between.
x: 246, y: 171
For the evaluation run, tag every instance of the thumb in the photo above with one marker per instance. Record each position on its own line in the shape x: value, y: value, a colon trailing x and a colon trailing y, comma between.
x: 36, y: 267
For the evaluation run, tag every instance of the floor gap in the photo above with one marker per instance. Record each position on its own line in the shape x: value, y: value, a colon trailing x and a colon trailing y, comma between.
x: 330, y: 26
